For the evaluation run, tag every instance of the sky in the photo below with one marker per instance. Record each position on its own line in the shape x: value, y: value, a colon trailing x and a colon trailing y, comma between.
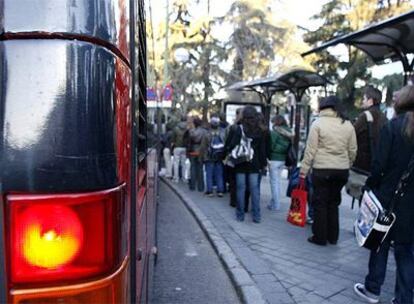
x: 298, y: 12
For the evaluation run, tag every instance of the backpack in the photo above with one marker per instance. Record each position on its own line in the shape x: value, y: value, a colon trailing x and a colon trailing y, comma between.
x: 243, y: 152
x: 216, y: 148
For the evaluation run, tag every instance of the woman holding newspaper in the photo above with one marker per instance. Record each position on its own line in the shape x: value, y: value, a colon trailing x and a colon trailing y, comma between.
x: 393, y: 159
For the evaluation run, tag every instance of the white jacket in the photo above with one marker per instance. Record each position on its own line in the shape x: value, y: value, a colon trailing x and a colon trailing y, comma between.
x: 331, y: 143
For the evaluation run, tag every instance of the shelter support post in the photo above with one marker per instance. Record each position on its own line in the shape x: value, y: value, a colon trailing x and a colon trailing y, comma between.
x: 297, y: 128
x: 308, y: 117
x: 292, y: 111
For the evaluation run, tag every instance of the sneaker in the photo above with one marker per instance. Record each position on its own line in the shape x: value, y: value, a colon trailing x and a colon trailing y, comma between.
x: 394, y: 301
x: 309, y: 221
x: 220, y: 194
x: 209, y: 194
x: 361, y: 291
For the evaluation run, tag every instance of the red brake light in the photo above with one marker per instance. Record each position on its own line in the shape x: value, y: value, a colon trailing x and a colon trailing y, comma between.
x: 65, y: 237
x: 50, y: 236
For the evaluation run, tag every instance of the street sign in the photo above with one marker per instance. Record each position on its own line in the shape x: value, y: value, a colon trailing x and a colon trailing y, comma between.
x: 167, y: 96
x: 151, y: 97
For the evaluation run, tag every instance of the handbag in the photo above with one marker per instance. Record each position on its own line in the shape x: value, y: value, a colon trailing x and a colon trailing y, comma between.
x: 243, y: 152
x: 291, y: 156
x: 358, y: 177
x: 356, y: 181
x: 297, y: 210
x: 373, y: 223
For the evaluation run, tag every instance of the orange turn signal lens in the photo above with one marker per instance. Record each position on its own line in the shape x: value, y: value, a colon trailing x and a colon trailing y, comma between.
x: 110, y: 290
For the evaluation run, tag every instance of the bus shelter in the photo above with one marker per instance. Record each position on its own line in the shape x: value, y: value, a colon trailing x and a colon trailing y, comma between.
x: 391, y: 39
x: 296, y: 81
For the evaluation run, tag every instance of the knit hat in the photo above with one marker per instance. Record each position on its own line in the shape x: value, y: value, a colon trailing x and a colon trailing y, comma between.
x: 328, y: 102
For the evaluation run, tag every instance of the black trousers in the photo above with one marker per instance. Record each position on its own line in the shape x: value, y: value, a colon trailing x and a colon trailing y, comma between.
x: 327, y: 185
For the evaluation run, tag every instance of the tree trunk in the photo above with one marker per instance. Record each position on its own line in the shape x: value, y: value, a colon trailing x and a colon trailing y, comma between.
x: 238, y: 67
x: 207, y: 84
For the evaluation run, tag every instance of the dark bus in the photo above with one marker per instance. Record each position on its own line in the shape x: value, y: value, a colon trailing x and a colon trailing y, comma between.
x: 78, y: 178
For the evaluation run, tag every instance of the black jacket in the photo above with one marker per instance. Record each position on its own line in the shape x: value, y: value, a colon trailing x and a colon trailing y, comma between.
x: 391, y: 158
x: 258, y: 162
x: 364, y: 155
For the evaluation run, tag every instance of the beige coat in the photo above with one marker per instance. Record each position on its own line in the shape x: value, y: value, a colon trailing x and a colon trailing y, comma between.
x: 331, y: 143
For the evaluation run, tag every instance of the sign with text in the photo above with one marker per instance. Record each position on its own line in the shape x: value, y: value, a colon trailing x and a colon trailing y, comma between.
x: 152, y: 97
x: 167, y: 96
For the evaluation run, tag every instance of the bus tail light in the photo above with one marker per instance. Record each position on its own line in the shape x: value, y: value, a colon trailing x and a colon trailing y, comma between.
x: 61, y: 238
x: 111, y: 289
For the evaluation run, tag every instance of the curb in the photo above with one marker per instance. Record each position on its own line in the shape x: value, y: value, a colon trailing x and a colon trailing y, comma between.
x: 246, y: 288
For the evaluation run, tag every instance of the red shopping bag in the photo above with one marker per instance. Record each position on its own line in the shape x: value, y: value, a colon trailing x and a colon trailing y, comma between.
x: 297, y: 210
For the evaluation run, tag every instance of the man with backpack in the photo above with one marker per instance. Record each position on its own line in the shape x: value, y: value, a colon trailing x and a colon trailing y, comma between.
x: 212, y: 148
x: 367, y: 129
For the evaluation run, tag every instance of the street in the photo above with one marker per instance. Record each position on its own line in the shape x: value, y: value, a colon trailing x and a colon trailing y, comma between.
x: 188, y: 270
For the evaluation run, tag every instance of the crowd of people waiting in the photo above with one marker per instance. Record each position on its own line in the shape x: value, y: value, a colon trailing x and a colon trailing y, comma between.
x: 378, y: 150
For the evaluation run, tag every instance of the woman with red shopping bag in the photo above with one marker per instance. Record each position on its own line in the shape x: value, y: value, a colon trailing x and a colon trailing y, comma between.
x: 330, y: 151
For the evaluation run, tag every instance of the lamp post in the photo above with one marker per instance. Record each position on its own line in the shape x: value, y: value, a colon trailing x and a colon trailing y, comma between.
x: 181, y: 55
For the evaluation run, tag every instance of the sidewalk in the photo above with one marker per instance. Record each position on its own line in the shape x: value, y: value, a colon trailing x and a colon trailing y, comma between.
x: 283, y: 265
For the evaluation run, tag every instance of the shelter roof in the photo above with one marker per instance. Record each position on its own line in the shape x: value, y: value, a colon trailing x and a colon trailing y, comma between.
x: 390, y: 39
x: 295, y: 79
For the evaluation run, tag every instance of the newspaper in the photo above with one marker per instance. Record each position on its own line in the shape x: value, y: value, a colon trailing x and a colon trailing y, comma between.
x: 367, y: 216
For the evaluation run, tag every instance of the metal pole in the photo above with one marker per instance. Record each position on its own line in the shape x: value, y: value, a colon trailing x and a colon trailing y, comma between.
x: 308, y: 118
x: 165, y: 77
x: 297, y: 127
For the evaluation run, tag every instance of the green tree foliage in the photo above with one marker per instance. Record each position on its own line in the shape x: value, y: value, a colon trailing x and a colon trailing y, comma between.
x: 389, y: 84
x: 339, y: 17
x: 263, y: 42
x: 251, y: 45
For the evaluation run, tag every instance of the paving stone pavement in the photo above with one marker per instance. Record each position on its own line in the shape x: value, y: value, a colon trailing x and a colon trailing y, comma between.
x: 285, y: 267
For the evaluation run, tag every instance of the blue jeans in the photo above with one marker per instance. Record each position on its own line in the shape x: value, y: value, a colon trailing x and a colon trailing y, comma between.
x: 254, y: 187
x: 214, y: 172
x: 377, y: 267
x: 196, y: 175
x: 275, y: 168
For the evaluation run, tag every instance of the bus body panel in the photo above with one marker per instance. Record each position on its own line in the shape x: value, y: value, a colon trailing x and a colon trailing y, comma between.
x: 105, y: 20
x: 60, y: 127
x: 66, y: 118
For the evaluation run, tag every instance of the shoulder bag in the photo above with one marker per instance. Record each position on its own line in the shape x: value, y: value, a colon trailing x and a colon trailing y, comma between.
x: 373, y: 223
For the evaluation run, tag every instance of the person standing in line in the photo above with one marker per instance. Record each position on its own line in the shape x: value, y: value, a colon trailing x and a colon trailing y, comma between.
x: 367, y: 128
x: 265, y: 129
x: 212, y: 153
x: 280, y: 138
x: 231, y: 174
x: 248, y: 169
x: 179, y: 151
x: 167, y: 147
x: 195, y: 136
x: 330, y: 151
x: 392, y: 157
